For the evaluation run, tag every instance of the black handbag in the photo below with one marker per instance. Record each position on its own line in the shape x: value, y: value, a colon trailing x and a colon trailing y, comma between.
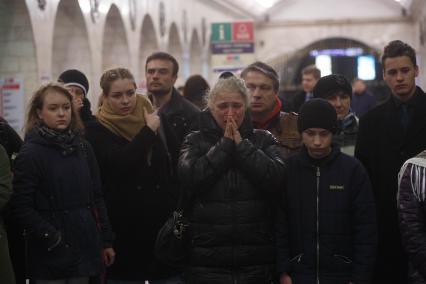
x: 172, y: 242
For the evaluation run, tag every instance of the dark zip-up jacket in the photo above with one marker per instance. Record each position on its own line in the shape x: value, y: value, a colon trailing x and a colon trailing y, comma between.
x: 56, y: 193
x: 232, y: 186
x: 326, y: 229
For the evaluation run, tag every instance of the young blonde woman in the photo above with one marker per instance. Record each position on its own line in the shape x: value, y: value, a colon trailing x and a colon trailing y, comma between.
x: 133, y: 150
x: 58, y: 197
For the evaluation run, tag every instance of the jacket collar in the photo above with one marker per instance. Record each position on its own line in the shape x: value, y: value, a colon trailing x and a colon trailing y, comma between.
x: 307, y: 161
x: 174, y: 105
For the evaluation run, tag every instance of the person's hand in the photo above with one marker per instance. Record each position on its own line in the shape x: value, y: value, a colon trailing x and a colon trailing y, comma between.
x: 235, y: 133
x: 78, y: 104
x: 228, y: 130
x: 152, y: 119
x: 285, y: 279
x: 108, y: 256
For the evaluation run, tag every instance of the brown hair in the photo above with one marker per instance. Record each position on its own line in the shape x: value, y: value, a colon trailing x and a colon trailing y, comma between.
x: 312, y: 70
x: 398, y: 48
x: 111, y: 75
x: 164, y: 56
x: 37, y: 102
x: 266, y: 70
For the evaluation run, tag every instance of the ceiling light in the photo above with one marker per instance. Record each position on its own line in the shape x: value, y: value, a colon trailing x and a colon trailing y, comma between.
x: 266, y: 3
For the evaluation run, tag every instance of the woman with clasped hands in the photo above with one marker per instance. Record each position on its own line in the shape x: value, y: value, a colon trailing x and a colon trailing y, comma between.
x: 231, y: 173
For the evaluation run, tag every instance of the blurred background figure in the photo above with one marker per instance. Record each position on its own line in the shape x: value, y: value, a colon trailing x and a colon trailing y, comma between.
x: 362, y: 100
x: 195, y: 91
x: 310, y: 76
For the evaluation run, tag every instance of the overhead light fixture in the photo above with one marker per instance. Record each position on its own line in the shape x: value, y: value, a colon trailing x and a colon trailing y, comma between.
x: 266, y: 3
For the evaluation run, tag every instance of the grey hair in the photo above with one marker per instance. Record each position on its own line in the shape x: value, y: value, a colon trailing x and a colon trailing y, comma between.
x: 229, y: 85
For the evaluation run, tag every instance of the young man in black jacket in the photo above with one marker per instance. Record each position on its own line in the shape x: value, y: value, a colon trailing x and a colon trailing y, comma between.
x: 326, y: 227
x: 388, y: 135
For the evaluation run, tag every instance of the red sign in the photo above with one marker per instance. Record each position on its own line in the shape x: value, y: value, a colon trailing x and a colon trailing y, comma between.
x: 242, y: 31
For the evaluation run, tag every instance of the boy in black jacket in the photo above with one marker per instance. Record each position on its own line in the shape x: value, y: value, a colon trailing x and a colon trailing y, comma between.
x: 326, y: 228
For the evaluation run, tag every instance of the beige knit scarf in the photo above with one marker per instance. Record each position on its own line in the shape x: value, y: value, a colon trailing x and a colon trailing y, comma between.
x: 126, y: 126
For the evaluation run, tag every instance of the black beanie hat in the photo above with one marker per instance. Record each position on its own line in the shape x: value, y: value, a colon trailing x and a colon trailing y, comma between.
x: 317, y: 113
x: 73, y: 77
x: 330, y: 84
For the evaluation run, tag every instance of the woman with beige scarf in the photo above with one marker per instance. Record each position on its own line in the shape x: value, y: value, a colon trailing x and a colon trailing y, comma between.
x: 136, y: 170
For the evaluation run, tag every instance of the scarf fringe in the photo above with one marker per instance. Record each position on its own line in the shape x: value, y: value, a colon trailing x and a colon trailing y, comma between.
x: 417, y: 177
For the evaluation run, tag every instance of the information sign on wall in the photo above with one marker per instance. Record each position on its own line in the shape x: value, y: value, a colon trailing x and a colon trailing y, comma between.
x: 232, y: 46
x: 12, y: 101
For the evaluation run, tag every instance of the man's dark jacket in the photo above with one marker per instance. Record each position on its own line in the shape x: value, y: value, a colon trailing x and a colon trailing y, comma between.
x: 327, y: 223
x: 181, y: 115
x: 382, y: 147
x: 233, y: 189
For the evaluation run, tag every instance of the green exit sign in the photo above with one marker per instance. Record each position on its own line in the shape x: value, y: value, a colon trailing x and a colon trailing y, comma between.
x: 221, y: 32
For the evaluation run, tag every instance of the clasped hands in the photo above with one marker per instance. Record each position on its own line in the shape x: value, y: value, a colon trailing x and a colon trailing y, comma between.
x: 231, y: 130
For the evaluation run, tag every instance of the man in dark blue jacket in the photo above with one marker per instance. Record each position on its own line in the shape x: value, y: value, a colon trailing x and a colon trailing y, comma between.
x: 326, y: 226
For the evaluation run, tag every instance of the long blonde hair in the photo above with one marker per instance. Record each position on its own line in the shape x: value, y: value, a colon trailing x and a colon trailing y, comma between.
x: 37, y: 102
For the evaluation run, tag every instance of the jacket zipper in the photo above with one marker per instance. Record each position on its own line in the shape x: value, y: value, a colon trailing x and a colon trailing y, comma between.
x: 318, y: 246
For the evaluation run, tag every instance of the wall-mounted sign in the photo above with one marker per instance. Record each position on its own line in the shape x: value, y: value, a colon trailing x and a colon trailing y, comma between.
x: 12, y: 101
x: 232, y: 46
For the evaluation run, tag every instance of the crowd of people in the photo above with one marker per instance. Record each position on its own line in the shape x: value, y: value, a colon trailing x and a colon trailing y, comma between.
x: 327, y: 189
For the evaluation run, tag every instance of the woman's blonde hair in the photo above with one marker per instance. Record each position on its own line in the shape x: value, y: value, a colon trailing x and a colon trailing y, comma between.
x: 229, y: 85
x: 111, y: 75
x: 37, y: 101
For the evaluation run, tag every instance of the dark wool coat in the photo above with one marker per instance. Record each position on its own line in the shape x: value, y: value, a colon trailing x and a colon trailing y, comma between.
x: 327, y: 226
x: 231, y: 216
x: 141, y: 192
x: 56, y: 193
x: 382, y: 147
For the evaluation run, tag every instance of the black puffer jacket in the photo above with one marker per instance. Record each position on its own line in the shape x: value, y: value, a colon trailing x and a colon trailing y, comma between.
x: 233, y: 187
x: 328, y: 229
x: 55, y: 193
x: 412, y: 212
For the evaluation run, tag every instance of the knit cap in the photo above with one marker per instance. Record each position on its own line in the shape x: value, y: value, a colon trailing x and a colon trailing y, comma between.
x: 73, y: 77
x: 317, y: 113
x: 330, y: 84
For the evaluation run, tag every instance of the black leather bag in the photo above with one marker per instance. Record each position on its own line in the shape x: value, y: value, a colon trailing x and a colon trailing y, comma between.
x: 172, y: 243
